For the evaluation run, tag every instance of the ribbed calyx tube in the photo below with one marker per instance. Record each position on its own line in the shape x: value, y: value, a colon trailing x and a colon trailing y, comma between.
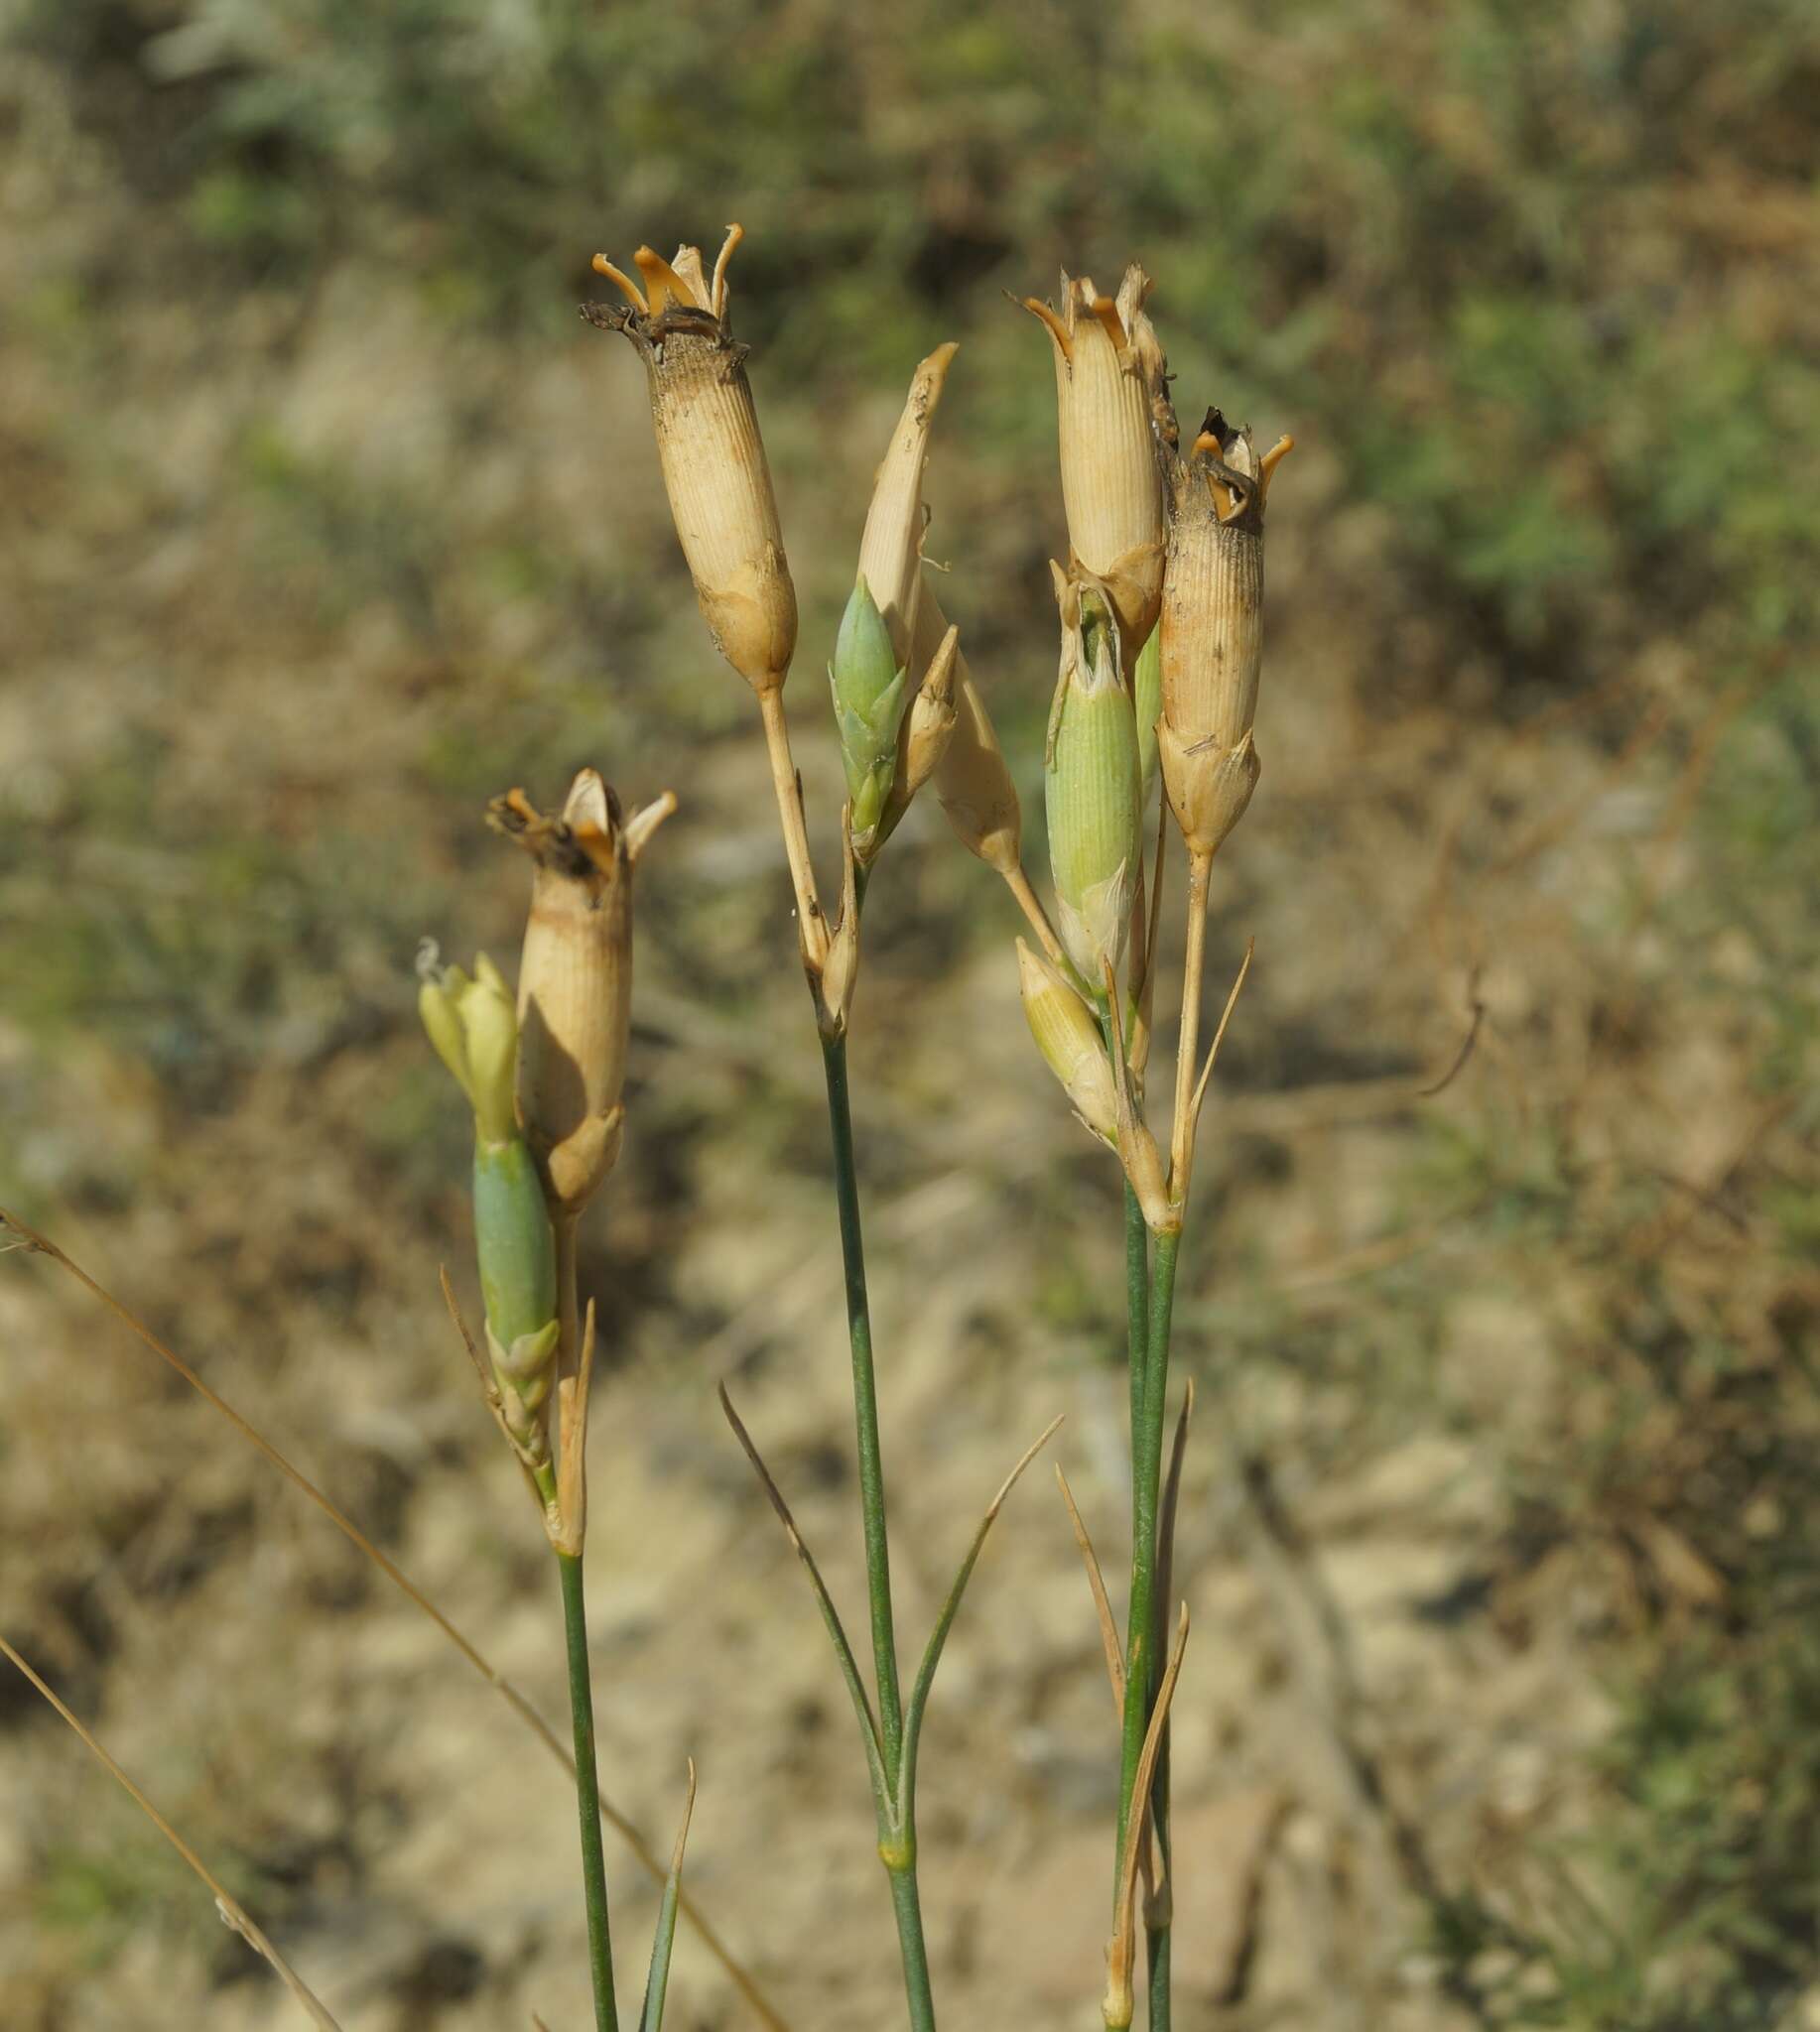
x: 1091, y: 783
x: 1110, y: 373
x: 720, y: 496
x: 514, y: 1243
x: 1211, y: 634
x: 1212, y: 628
x: 575, y: 979
x: 713, y: 457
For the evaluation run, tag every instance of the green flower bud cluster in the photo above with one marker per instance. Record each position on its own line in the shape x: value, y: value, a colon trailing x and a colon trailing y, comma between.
x: 473, y: 1025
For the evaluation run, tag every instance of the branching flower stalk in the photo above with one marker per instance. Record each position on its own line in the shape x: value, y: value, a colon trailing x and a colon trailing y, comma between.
x: 1153, y: 537
x: 1159, y: 603
x: 907, y: 713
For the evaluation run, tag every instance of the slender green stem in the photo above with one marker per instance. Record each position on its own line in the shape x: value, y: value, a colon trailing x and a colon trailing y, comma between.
x: 908, y: 1905
x: 1157, y: 1937
x: 865, y: 1409
x: 1138, y: 1304
x: 902, y: 1871
x: 1156, y: 1947
x: 593, y: 1861
x: 1146, y: 1484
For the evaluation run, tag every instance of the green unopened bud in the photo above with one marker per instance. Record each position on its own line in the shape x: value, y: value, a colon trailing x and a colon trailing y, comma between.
x: 473, y: 1025
x: 1091, y: 783
x: 1070, y: 1041
x: 1147, y: 690
x: 475, y: 1028
x: 868, y: 690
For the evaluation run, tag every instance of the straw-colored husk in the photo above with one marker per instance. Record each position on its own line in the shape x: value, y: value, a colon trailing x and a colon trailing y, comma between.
x: 1109, y: 370
x: 972, y: 779
x: 1213, y: 596
x: 713, y: 457
x: 1070, y: 1041
x: 1208, y: 787
x: 891, y: 547
x: 575, y: 981
x: 1210, y: 633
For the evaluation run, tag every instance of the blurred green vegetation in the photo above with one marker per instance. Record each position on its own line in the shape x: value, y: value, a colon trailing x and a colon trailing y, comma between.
x: 1536, y: 289
x: 1503, y: 262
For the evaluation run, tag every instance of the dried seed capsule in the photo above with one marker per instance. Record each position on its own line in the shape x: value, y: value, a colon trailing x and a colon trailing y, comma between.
x: 1070, y: 1041
x: 712, y: 457
x: 1108, y: 371
x: 1211, y: 629
x: 575, y: 985
x: 1091, y: 781
x: 867, y: 681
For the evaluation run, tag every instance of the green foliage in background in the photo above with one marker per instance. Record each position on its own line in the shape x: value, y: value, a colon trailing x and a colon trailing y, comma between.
x: 1498, y: 261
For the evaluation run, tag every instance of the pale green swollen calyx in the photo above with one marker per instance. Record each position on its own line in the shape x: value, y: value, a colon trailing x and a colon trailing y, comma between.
x: 473, y: 1026
x: 1092, y: 794
x: 868, y: 687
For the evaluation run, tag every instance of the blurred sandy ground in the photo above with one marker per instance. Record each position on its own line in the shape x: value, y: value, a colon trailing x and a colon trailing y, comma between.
x: 1508, y: 1391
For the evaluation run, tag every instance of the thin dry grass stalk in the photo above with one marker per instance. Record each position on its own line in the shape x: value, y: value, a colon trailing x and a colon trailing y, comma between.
x: 233, y: 1913
x: 649, y: 1862
x: 1102, y: 1607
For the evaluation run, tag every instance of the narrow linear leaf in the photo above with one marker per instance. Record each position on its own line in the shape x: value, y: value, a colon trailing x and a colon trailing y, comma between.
x: 1108, y: 1629
x: 230, y: 1909
x: 943, y: 1622
x: 1172, y: 1489
x: 830, y: 1616
x: 1122, y: 1945
x: 651, y: 2018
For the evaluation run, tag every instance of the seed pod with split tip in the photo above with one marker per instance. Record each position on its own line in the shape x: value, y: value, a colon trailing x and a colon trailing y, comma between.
x: 868, y: 690
x: 1109, y: 372
x: 713, y: 457
x: 1211, y: 629
x: 575, y: 987
x: 1070, y: 1041
x: 1091, y: 781
x: 972, y: 777
x: 475, y: 1028
x: 891, y: 546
